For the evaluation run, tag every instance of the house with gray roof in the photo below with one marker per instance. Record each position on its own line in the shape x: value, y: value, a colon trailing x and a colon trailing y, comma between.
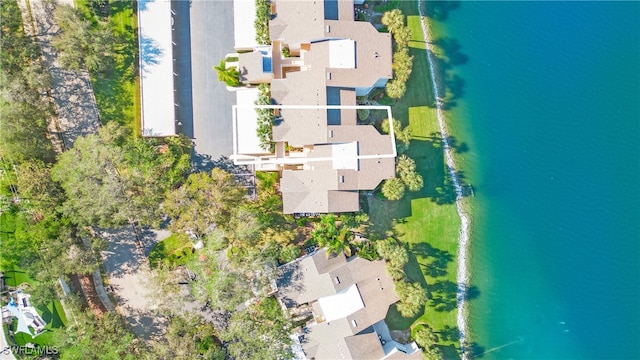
x: 323, y: 155
x: 348, y: 300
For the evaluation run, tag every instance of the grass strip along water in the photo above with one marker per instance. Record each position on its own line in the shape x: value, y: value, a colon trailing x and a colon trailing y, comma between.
x: 428, y: 222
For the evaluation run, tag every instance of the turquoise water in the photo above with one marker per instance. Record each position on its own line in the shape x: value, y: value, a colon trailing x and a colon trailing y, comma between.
x: 550, y: 109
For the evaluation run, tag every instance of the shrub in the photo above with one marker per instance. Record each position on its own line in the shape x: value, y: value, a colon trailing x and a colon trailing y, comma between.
x: 263, y: 15
x: 412, y: 298
x: 289, y: 253
x: 396, y: 88
x: 393, y: 189
x: 425, y: 337
x: 265, y: 119
x: 363, y: 114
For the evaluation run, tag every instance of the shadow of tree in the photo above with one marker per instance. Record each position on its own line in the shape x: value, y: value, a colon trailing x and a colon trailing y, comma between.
x: 437, y: 260
x: 439, y: 10
x: 150, y: 52
x: 449, y: 333
x: 437, y: 138
x: 451, y: 50
x: 444, y: 295
x: 474, y: 350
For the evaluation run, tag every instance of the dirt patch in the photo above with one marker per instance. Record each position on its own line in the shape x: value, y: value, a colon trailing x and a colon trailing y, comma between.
x: 401, y: 336
x: 90, y: 294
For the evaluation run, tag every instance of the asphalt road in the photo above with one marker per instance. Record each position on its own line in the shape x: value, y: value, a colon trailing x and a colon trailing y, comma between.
x: 211, y: 39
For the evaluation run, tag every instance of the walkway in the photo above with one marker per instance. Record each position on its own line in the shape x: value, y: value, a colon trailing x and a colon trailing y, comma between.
x: 75, y: 104
x: 5, y: 351
x: 127, y: 267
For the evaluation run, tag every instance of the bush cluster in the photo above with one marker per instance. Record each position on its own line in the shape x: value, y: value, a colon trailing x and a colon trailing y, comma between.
x: 402, y: 61
x: 265, y: 119
x: 263, y: 15
x: 412, y: 296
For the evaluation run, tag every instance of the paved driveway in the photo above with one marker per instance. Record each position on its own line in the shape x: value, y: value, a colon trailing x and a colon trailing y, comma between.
x: 128, y: 271
x: 211, y: 39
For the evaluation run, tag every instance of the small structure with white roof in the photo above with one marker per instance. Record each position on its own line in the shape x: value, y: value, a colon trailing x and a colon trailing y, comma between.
x: 155, y: 23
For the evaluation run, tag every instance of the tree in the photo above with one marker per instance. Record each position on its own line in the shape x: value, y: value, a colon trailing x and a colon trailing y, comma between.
x: 111, y: 179
x: 425, y: 337
x: 395, y: 89
x: 402, y: 135
x: 393, y: 189
x: 36, y: 185
x: 95, y: 194
x: 402, y: 35
x: 189, y: 337
x: 203, y: 201
x: 258, y: 332
x: 402, y: 64
x: 412, y: 298
x: 82, y: 44
x: 393, y: 20
x: 405, y: 165
x: 433, y: 353
x: 90, y: 335
x: 363, y: 114
x: 228, y: 75
x: 334, y: 236
x: 413, y: 181
x: 289, y: 253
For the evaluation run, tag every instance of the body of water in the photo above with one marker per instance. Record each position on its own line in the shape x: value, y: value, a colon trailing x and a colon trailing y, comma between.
x: 547, y: 98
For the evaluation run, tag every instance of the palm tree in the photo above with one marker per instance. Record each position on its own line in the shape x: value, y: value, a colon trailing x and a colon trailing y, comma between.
x: 425, y: 337
x: 229, y: 75
x: 412, y: 298
x: 414, y: 181
x: 393, y: 189
x: 405, y: 165
x: 396, y: 89
x: 393, y: 20
x: 336, y: 238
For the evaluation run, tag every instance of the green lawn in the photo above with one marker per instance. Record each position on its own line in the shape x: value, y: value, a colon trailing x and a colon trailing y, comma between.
x: 54, y: 316
x: 174, y: 250
x: 426, y: 221
x: 116, y: 91
x: 16, y: 276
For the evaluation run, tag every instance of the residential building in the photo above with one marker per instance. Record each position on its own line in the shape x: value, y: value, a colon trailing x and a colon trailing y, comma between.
x: 348, y: 299
x: 318, y: 62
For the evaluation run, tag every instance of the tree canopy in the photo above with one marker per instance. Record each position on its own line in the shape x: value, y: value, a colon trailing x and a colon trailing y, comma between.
x: 82, y: 44
x: 228, y: 75
x: 203, y: 201
x: 412, y: 298
x: 393, y: 189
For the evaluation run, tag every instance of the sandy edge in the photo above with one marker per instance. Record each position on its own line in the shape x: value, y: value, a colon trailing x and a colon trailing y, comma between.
x: 462, y: 277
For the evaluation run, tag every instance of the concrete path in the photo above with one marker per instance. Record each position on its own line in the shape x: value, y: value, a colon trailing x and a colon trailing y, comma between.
x: 5, y: 350
x: 128, y: 272
x: 75, y: 104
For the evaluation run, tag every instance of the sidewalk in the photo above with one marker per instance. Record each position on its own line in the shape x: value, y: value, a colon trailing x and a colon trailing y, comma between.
x: 75, y: 104
x: 5, y: 352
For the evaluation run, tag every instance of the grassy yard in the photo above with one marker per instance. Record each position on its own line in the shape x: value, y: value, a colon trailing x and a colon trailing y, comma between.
x: 116, y: 91
x: 17, y: 276
x: 54, y: 316
x: 425, y: 221
x: 174, y: 250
